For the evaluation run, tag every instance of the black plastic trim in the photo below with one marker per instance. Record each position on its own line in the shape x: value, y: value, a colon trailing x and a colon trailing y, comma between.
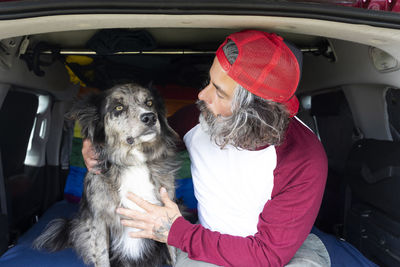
x: 36, y: 8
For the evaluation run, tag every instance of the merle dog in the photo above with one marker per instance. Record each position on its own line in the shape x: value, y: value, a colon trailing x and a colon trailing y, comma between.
x: 136, y: 149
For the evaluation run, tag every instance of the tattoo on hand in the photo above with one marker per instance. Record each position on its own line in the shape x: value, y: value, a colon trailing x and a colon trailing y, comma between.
x: 161, y: 233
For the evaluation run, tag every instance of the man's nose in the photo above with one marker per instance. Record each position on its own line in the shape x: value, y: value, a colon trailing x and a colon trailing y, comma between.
x: 204, y: 94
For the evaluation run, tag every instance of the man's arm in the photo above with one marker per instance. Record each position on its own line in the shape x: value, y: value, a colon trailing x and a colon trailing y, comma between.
x: 89, y: 156
x: 283, y: 225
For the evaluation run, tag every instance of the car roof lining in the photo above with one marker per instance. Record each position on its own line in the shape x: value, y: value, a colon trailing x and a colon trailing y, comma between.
x: 193, y: 38
x: 383, y: 38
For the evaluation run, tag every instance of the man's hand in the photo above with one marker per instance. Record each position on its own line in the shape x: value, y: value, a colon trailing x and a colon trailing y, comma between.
x: 89, y: 156
x: 155, y: 222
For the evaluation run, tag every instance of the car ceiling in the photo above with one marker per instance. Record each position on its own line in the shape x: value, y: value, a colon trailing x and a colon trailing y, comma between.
x: 194, y: 38
x: 350, y: 41
x: 217, y: 26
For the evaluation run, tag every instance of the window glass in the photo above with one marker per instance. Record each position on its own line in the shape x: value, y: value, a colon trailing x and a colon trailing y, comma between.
x: 34, y: 152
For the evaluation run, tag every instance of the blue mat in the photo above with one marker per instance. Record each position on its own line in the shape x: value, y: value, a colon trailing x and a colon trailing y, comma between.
x: 23, y: 255
x: 341, y: 253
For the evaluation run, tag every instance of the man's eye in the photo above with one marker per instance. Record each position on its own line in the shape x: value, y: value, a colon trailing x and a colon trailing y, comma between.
x: 219, y: 96
x: 149, y: 103
x: 119, y: 108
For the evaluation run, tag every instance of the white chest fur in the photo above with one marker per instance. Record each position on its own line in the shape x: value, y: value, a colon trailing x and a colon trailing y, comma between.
x: 136, y: 180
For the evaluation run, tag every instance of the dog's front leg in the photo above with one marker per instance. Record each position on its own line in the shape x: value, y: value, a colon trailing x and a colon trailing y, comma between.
x: 101, y: 245
x: 91, y: 240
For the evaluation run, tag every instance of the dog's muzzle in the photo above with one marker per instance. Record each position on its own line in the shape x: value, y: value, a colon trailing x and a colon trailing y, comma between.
x: 149, y: 118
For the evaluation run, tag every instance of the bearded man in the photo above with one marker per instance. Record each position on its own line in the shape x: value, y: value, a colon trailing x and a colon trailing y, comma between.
x: 258, y: 172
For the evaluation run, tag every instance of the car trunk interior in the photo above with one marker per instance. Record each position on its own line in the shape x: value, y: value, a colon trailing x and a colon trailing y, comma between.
x: 45, y: 63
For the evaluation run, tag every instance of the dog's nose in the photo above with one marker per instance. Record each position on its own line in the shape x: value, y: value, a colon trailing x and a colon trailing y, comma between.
x: 148, y: 118
x: 130, y: 140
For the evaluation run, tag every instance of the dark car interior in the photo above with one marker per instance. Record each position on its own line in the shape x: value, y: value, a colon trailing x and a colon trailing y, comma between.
x: 349, y: 96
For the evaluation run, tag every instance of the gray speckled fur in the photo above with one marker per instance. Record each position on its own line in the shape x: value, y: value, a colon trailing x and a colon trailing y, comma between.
x: 92, y: 232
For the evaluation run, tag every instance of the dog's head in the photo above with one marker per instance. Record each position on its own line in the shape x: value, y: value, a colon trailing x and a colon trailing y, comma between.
x: 125, y: 122
x: 130, y: 116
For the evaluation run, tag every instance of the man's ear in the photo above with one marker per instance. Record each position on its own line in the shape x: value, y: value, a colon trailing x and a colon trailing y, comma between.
x: 88, y: 111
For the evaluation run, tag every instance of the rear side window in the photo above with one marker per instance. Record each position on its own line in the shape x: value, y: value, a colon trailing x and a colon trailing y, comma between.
x: 36, y: 147
x: 393, y: 110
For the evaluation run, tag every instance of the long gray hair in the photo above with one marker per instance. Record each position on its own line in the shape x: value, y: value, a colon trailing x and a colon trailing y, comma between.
x: 255, y: 122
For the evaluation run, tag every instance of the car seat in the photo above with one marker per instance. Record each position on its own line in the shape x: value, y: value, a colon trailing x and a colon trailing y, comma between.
x: 372, y: 220
x: 17, y: 116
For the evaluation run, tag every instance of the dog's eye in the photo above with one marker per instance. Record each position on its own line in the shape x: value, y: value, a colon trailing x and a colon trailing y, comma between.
x: 149, y: 103
x: 119, y: 108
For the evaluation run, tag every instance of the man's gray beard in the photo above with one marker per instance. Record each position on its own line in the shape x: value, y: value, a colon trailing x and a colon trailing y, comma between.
x: 203, y: 123
x: 216, y: 126
x: 206, y: 117
x: 245, y: 128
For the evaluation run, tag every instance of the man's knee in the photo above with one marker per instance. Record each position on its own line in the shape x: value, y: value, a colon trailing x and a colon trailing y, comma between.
x: 311, y: 254
x: 183, y: 260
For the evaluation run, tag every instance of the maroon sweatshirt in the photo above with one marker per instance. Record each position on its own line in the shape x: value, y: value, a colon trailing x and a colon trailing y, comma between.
x: 286, y: 219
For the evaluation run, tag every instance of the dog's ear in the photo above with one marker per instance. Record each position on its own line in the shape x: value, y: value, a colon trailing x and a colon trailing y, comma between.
x: 89, y: 112
x: 158, y: 100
